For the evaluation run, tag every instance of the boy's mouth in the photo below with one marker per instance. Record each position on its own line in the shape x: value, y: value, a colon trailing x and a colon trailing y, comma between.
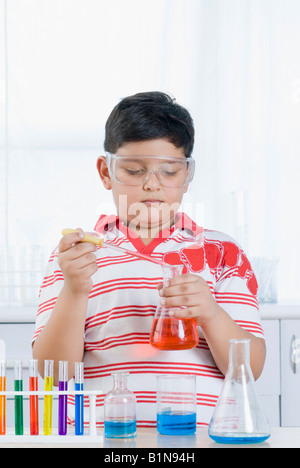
x: 152, y: 202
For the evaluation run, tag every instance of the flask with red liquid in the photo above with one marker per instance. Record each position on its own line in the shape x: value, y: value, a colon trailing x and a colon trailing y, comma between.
x: 171, y: 333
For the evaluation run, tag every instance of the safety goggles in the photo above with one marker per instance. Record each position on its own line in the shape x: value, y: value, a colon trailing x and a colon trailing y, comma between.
x: 136, y: 170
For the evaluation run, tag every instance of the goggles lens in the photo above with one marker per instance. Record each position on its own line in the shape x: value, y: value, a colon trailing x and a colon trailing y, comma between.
x: 171, y: 172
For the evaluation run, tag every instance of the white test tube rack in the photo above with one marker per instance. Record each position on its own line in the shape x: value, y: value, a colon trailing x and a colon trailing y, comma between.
x: 91, y: 437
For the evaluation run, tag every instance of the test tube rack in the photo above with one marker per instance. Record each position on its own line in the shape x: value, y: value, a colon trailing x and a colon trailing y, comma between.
x: 92, y: 437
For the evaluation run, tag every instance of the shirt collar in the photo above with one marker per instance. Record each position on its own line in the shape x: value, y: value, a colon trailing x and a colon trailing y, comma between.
x: 182, y: 221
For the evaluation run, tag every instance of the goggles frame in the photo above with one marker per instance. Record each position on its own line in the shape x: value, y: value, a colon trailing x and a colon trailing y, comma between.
x: 111, y: 159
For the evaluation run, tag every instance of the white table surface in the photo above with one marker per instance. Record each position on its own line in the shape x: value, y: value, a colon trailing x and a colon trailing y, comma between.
x: 281, y: 437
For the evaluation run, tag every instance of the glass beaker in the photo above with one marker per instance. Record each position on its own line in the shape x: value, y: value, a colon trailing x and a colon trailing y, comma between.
x: 171, y: 333
x: 176, y: 404
x: 120, y: 409
x: 238, y: 417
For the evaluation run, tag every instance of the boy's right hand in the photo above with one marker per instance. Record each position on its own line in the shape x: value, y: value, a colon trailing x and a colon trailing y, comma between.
x: 77, y: 262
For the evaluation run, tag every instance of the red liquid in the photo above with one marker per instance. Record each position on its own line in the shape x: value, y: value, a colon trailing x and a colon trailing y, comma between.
x: 170, y: 333
x: 34, y: 406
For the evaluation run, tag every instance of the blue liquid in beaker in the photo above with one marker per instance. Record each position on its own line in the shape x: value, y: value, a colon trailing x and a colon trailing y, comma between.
x: 240, y: 439
x: 176, y: 423
x: 120, y: 429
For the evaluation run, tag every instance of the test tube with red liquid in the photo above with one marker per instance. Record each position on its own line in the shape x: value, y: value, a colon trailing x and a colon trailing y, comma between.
x: 2, y: 398
x: 33, y: 399
x: 62, y: 399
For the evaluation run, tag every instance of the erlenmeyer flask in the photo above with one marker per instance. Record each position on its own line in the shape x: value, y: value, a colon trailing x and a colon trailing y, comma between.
x: 238, y: 417
x: 120, y: 409
x: 171, y: 333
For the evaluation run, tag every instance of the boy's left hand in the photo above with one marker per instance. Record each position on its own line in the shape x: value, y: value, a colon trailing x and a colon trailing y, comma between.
x: 191, y: 292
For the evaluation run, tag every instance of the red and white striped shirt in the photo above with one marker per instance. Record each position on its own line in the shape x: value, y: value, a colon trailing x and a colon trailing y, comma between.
x: 122, y: 304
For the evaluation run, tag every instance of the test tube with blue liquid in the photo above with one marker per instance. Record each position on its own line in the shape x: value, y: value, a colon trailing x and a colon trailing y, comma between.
x: 62, y: 399
x: 18, y: 387
x: 48, y: 399
x: 79, y: 402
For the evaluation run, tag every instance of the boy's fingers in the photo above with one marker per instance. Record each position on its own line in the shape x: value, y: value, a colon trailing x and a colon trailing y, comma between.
x: 69, y: 240
x: 179, y: 301
x: 82, y: 261
x: 190, y: 312
x: 183, y: 279
x: 180, y: 289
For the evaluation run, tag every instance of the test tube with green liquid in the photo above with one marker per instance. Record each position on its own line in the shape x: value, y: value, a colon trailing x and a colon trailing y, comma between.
x: 48, y: 399
x: 18, y: 387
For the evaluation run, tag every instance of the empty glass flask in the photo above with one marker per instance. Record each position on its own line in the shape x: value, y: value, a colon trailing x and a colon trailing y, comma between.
x: 238, y: 417
x: 171, y: 333
x: 120, y: 409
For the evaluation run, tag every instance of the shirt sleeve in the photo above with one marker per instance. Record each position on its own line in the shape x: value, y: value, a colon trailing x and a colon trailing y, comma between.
x: 49, y: 291
x: 236, y: 288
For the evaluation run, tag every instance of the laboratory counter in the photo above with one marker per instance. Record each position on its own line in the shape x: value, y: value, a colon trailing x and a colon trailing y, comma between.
x: 281, y: 437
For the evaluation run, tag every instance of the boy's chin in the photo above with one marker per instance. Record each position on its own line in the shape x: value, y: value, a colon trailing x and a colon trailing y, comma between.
x: 152, y: 223
x: 152, y: 217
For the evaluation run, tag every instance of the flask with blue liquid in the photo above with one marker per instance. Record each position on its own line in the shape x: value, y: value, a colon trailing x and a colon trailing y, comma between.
x: 120, y: 409
x: 238, y: 417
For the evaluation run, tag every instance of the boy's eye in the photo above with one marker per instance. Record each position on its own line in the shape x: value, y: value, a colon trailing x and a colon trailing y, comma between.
x: 169, y: 173
x: 135, y: 172
x: 170, y: 170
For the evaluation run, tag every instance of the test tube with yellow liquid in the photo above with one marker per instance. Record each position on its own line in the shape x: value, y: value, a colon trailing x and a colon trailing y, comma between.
x: 48, y: 399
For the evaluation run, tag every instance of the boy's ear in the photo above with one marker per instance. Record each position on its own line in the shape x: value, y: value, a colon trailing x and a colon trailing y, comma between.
x: 103, y: 172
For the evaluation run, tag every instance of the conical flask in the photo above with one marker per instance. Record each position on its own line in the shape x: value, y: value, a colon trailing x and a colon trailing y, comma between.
x: 238, y: 417
x: 120, y: 409
x: 171, y: 333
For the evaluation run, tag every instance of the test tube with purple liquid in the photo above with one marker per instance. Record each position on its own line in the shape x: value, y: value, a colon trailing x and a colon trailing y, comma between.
x: 62, y: 399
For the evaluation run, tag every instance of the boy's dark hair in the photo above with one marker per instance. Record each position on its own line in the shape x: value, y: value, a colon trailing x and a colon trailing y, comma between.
x: 148, y: 116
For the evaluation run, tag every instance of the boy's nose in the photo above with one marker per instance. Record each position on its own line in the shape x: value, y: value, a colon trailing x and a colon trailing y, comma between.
x: 152, y: 181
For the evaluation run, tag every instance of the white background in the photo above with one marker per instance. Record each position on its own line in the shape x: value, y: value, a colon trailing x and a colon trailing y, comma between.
x: 235, y: 64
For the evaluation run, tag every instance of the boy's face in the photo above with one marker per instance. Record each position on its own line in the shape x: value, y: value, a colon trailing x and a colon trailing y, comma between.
x: 149, y: 205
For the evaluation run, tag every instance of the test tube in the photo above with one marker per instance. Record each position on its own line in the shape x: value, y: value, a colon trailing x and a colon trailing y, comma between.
x: 48, y: 399
x: 18, y: 387
x: 62, y: 399
x: 2, y: 398
x: 79, y: 403
x: 33, y: 399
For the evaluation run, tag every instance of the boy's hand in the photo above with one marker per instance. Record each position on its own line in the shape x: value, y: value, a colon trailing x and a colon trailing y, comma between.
x: 77, y: 262
x: 191, y: 292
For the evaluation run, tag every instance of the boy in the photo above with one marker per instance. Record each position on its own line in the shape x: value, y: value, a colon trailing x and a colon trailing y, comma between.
x: 97, y: 305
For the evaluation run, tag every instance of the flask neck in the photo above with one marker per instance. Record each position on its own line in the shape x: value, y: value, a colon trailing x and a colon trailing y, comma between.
x: 239, y: 352
x: 171, y: 271
x: 120, y: 380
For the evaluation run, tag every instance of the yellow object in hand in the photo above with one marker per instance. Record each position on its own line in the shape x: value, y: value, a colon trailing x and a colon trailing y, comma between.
x: 87, y: 237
